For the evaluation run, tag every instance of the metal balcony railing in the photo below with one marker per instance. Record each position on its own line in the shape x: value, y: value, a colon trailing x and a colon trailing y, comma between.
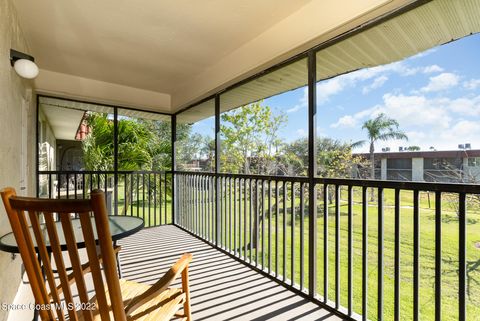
x: 145, y: 194
x: 349, y: 245
x: 264, y: 222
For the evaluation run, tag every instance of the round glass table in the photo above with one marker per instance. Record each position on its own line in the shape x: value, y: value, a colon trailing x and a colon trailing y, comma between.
x: 120, y: 227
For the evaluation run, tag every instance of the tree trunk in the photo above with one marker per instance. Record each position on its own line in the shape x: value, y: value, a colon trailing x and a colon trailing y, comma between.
x: 255, y: 206
x: 256, y: 217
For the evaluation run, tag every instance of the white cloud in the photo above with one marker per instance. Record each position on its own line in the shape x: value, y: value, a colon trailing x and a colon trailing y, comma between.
x: 377, y: 83
x: 349, y: 121
x: 465, y: 106
x: 331, y: 87
x: 295, y: 108
x: 345, y: 121
x: 302, y: 103
x: 415, y: 135
x: 441, y: 82
x: 403, y: 69
x: 440, y: 122
x: 407, y: 110
x: 423, y: 54
x: 416, y: 110
x: 463, y: 131
x: 472, y: 84
x: 466, y: 128
x: 438, y: 113
x: 432, y: 69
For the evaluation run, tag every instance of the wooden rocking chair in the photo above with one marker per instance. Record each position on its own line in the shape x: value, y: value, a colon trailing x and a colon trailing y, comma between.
x: 115, y: 299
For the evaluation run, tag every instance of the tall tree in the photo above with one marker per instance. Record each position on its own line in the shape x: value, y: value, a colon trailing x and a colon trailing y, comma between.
x: 250, y: 139
x: 159, y: 145
x: 250, y: 145
x: 193, y: 147
x: 207, y: 151
x: 380, y: 128
x: 334, y: 158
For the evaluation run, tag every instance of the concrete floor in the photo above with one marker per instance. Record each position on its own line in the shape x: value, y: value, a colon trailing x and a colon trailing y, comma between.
x: 221, y: 287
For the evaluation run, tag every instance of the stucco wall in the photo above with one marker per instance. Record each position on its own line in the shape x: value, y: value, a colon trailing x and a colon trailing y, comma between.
x: 15, y: 94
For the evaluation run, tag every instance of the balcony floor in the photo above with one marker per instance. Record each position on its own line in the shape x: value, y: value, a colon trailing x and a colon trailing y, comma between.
x: 221, y: 287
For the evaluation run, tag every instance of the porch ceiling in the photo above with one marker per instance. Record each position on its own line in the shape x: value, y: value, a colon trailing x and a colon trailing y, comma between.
x: 164, y: 54
x: 64, y: 122
x: 144, y: 44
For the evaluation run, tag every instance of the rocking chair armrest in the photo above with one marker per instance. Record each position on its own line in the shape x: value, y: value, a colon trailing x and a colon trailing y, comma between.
x: 161, y: 285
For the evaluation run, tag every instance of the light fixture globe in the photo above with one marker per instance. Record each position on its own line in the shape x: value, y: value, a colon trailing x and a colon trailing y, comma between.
x: 26, y: 68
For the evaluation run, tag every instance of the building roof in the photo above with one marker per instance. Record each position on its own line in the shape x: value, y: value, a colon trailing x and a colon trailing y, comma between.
x: 426, y: 154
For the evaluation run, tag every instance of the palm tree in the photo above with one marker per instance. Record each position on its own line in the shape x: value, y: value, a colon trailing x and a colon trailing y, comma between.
x: 135, y: 144
x: 380, y: 128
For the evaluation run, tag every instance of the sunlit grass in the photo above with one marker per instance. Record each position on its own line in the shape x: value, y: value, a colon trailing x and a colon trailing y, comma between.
x: 450, y: 232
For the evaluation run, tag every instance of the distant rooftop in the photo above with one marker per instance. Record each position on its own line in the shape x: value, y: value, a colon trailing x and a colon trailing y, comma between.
x: 426, y: 154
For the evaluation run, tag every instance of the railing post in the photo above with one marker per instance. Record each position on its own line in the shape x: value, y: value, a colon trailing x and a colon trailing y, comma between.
x: 462, y: 256
x: 37, y: 152
x: 174, y: 167
x: 115, y: 161
x: 438, y: 256
x: 217, y: 169
x: 380, y: 246
x: 312, y: 171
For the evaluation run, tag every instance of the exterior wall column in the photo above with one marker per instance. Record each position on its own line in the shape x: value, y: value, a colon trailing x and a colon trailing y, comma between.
x: 417, y: 169
x: 466, y: 171
x: 383, y: 169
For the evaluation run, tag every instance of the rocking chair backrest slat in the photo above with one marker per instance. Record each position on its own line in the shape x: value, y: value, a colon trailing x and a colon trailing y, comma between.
x: 108, y: 255
x: 45, y: 257
x: 75, y: 262
x: 89, y: 238
x: 59, y: 262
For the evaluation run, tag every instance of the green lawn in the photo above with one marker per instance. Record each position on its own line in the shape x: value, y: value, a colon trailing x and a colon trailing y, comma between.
x: 202, y: 222
x: 154, y: 210
x: 427, y: 251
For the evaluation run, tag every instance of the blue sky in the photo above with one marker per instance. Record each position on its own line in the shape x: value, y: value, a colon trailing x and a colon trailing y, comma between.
x: 434, y: 95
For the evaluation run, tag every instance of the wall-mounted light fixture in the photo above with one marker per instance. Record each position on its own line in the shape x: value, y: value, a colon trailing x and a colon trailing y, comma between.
x: 23, y: 64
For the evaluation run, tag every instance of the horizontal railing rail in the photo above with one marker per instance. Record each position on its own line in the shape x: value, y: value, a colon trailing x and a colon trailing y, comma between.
x: 372, y: 236
x: 407, y: 185
x: 247, y: 176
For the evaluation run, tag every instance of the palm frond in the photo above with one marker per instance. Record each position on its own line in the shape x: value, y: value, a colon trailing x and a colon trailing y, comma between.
x: 357, y: 144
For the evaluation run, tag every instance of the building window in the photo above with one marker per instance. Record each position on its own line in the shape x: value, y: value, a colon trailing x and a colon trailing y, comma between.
x: 474, y: 161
